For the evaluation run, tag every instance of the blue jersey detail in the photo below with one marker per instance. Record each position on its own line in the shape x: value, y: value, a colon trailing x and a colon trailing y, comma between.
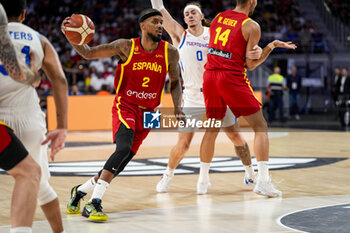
x: 21, y: 35
x: 183, y: 40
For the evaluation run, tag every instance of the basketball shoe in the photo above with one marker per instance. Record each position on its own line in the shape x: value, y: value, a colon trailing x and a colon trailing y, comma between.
x: 163, y: 184
x: 202, y: 187
x: 250, y: 181
x: 93, y: 211
x: 266, y: 188
x: 73, y: 206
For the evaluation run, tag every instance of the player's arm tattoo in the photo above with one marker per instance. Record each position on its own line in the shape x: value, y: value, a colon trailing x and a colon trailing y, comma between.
x: 174, y: 76
x: 7, y: 51
x: 120, y: 48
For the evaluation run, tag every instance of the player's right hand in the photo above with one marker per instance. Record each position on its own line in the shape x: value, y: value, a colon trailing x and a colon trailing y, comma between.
x: 57, y: 138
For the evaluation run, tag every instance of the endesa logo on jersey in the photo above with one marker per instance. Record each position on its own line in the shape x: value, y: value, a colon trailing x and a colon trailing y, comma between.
x: 142, y: 95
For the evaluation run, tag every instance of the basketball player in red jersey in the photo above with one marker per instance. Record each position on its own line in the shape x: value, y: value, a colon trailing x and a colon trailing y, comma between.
x: 232, y: 34
x: 139, y: 82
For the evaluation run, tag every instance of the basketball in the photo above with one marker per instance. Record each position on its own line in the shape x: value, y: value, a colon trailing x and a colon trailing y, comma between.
x: 79, y: 29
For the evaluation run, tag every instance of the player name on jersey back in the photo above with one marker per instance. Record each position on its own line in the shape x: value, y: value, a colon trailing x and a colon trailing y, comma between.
x: 17, y: 35
x: 227, y: 46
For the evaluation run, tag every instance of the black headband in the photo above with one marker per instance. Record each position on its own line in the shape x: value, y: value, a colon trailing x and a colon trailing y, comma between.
x: 148, y: 13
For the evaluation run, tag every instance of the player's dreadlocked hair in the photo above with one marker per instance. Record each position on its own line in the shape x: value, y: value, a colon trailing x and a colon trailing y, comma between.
x: 205, y: 22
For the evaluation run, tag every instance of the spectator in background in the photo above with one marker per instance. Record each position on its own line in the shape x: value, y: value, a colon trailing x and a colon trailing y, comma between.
x: 44, y: 90
x: 305, y: 39
x: 344, y: 85
x: 276, y: 84
x: 98, y: 65
x: 68, y: 65
x: 45, y: 84
x: 318, y: 42
x: 87, y: 80
x: 344, y: 96
x: 74, y: 90
x: 104, y: 90
x: 107, y: 76
x: 96, y: 80
x: 294, y: 86
x: 292, y: 35
x: 335, y: 84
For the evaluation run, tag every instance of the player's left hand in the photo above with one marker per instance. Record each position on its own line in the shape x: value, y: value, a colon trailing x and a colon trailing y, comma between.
x: 57, y: 138
x: 63, y: 25
x: 285, y: 45
x: 255, y: 53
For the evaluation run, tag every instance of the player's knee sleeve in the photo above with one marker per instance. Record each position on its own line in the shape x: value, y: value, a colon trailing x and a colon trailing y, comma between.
x: 116, y: 160
x: 125, y: 162
x: 46, y: 193
x: 124, y: 140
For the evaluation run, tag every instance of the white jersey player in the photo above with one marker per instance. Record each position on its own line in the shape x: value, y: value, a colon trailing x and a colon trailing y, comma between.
x: 20, y: 109
x: 193, y: 48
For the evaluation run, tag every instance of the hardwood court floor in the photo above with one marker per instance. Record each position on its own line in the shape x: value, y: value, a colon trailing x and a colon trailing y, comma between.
x: 138, y: 192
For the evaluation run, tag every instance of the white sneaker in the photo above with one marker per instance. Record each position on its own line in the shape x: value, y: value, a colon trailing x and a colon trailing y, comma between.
x: 266, y: 189
x: 202, y: 188
x: 249, y: 181
x: 163, y: 184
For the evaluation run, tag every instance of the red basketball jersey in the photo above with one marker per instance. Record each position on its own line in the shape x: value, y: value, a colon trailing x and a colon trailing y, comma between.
x: 227, y: 46
x: 140, y: 80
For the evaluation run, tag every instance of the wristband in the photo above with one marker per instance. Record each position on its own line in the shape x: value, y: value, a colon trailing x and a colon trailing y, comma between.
x: 271, y: 46
x: 157, y: 4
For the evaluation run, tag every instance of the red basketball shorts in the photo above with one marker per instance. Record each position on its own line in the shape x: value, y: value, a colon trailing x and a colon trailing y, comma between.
x: 224, y: 88
x: 131, y: 116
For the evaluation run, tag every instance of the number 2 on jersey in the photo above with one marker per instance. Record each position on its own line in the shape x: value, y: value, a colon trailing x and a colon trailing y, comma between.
x: 26, y: 51
x: 145, y: 81
x: 222, y: 36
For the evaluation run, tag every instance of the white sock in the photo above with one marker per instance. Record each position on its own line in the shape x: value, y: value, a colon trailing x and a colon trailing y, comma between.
x: 263, y: 171
x: 21, y: 230
x: 249, y: 171
x: 87, y: 186
x: 99, y: 189
x: 169, y: 171
x: 204, y: 172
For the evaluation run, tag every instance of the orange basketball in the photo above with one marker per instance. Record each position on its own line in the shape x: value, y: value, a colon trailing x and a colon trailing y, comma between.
x: 79, y: 29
